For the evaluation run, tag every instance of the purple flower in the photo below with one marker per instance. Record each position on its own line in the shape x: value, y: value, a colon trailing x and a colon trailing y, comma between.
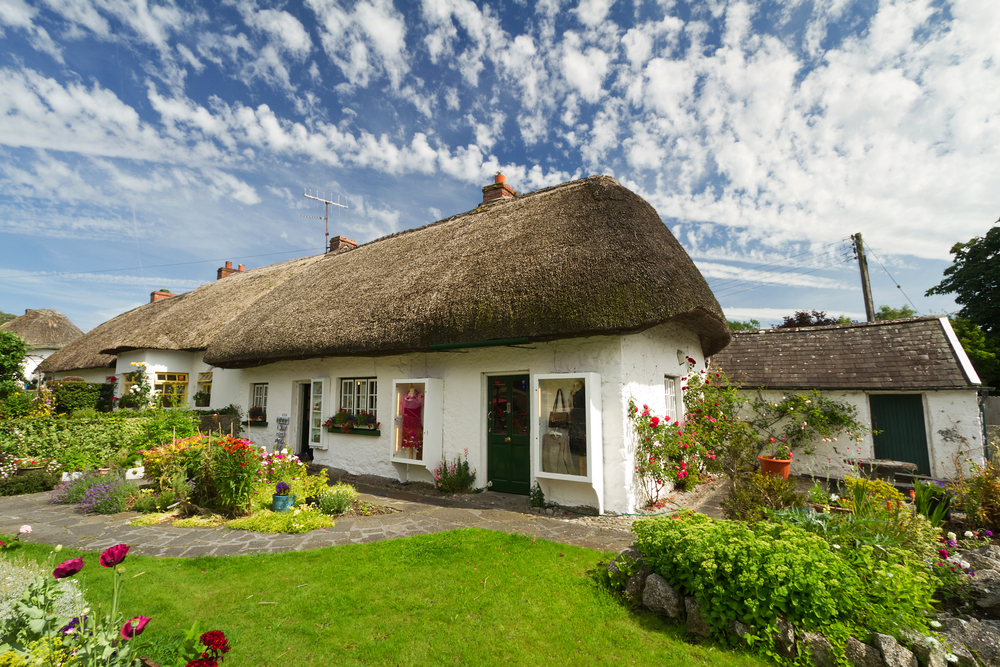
x: 988, y: 533
x: 281, y: 489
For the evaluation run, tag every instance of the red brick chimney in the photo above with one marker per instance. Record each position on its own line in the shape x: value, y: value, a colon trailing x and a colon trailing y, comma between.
x: 228, y: 270
x: 159, y: 295
x: 499, y: 190
x: 342, y: 243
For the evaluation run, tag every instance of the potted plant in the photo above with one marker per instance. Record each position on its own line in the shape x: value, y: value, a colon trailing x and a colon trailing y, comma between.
x: 366, y: 420
x: 202, y: 399
x: 281, y: 501
x: 778, y: 461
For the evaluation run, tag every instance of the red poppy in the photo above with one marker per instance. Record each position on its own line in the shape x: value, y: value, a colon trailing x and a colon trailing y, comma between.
x: 114, y: 555
x: 68, y: 568
x: 134, y: 627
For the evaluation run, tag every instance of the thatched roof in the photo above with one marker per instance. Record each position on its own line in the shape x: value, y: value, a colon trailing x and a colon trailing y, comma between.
x: 915, y: 353
x: 583, y: 258
x: 43, y: 328
x: 187, y: 321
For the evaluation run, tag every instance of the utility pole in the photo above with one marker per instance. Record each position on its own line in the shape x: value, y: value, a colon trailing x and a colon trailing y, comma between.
x: 326, y: 215
x: 866, y: 287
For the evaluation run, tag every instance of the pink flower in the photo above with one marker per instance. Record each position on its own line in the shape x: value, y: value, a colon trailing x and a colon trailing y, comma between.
x: 114, y: 555
x: 68, y: 568
x: 134, y: 627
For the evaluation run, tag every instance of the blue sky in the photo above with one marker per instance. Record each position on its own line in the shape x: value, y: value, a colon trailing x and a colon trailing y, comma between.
x: 143, y: 143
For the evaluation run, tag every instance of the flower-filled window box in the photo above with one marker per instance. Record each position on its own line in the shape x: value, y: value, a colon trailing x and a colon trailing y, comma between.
x: 348, y: 422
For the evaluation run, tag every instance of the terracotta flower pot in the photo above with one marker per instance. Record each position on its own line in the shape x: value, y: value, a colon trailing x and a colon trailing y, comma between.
x: 775, y: 467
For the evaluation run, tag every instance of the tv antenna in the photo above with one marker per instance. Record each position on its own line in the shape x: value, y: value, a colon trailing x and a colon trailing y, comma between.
x: 326, y: 214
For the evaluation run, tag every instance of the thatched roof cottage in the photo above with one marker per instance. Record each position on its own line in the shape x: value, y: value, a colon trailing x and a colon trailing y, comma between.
x: 44, y: 331
x: 516, y: 332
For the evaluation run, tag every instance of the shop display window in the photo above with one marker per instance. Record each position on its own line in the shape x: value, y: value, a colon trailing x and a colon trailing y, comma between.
x: 562, y: 423
x: 408, y: 432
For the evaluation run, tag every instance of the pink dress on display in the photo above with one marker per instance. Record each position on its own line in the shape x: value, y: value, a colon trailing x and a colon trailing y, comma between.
x: 412, y: 407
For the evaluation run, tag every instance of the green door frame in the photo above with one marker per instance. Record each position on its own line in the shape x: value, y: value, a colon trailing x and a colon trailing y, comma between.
x: 508, y: 434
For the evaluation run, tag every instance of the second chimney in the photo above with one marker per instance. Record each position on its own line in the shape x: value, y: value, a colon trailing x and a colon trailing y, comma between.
x: 228, y: 270
x: 341, y: 243
x: 499, y: 190
x: 159, y: 295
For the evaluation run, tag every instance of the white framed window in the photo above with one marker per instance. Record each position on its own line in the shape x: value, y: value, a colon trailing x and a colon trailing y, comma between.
x: 670, y: 386
x: 359, y: 395
x: 258, y: 402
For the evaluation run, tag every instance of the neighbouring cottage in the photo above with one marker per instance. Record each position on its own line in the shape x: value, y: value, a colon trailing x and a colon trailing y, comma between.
x: 514, y: 334
x: 44, y: 331
x: 910, y: 379
x: 169, y: 335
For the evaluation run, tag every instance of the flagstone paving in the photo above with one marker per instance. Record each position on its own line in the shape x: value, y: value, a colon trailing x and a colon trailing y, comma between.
x: 69, y: 526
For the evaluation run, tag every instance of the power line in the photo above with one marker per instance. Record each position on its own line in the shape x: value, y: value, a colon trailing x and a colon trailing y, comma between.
x: 783, y: 264
x: 804, y: 273
x: 153, y: 266
x: 794, y: 267
x: 898, y: 286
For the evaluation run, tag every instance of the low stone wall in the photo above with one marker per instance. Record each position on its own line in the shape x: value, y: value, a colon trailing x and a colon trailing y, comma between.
x: 964, y: 641
x: 228, y: 423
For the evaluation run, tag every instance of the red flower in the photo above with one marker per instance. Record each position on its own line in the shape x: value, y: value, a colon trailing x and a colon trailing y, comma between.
x: 134, y: 627
x: 68, y: 568
x: 114, y: 555
x: 654, y: 422
x: 203, y: 662
x: 215, y: 639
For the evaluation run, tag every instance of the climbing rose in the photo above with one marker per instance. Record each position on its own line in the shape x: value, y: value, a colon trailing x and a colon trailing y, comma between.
x: 68, y: 568
x: 114, y: 555
x: 134, y: 627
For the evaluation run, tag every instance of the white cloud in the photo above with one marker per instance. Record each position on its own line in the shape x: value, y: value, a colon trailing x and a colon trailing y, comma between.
x: 365, y: 43
x: 593, y: 12
x: 584, y: 70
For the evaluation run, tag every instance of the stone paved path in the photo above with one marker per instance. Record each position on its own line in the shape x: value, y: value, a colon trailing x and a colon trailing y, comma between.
x: 69, y: 526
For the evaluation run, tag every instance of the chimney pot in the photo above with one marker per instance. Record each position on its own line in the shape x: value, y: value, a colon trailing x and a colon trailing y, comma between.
x: 242, y: 267
x: 227, y: 270
x: 229, y: 265
x: 498, y: 190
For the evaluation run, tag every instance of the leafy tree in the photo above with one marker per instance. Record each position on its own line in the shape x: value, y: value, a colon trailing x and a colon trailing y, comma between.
x: 12, y: 351
x: 6, y: 317
x: 749, y: 325
x: 890, y: 313
x: 983, y: 351
x: 974, y: 278
x: 817, y: 318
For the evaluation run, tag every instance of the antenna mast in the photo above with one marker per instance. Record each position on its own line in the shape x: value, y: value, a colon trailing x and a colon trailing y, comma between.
x: 326, y: 215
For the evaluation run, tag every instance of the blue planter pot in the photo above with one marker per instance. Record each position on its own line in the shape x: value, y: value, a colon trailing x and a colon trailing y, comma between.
x: 282, y: 503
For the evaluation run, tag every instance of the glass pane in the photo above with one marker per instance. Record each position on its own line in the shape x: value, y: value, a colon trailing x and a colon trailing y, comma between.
x: 171, y: 377
x: 519, y: 405
x: 317, y: 388
x: 315, y: 435
x: 562, y: 423
x: 498, y: 407
x: 409, y: 422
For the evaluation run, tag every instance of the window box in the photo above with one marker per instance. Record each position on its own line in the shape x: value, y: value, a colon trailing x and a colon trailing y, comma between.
x: 355, y: 431
x: 255, y: 423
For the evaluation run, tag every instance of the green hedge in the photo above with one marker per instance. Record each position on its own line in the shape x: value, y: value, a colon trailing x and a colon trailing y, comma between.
x: 75, y: 443
x: 70, y: 396
x: 755, y: 573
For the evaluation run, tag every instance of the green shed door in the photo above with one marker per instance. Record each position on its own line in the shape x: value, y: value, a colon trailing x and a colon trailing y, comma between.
x: 899, y: 420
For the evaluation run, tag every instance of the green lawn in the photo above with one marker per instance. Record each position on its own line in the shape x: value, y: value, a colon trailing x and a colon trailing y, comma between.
x: 471, y: 597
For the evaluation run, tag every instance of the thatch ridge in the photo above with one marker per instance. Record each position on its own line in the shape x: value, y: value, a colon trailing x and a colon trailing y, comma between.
x: 43, y: 328
x: 187, y: 321
x: 583, y: 258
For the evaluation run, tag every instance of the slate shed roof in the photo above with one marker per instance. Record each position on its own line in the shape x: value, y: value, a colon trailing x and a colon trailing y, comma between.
x: 914, y: 353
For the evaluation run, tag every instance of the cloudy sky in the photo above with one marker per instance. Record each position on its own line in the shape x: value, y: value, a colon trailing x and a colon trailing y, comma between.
x: 144, y: 142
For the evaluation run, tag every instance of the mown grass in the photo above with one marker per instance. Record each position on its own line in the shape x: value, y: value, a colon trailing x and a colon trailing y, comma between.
x: 471, y: 597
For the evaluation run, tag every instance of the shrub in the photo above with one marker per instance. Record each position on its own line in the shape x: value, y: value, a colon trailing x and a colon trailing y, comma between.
x: 104, y: 441
x: 166, y: 425
x: 109, y: 495
x: 181, y: 457
x: 72, y: 396
x: 751, y: 497
x: 455, y: 477
x: 756, y: 572
x: 35, y: 481
x: 932, y: 499
x: 978, y: 494
x: 234, y: 469
x: 72, y: 491
x: 877, y: 491
x: 337, y: 499
x: 17, y: 404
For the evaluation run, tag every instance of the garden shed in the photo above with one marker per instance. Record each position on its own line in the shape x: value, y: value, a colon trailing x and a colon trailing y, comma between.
x: 910, y: 379
x: 44, y: 331
x: 513, y: 334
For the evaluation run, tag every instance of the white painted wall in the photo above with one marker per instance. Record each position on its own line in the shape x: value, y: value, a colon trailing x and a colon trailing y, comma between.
x: 629, y: 365
x: 88, y: 374
x: 34, y: 357
x: 225, y: 382
x: 951, y: 420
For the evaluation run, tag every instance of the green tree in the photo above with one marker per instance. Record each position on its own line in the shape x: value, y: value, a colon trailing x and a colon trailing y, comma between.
x: 974, y: 279
x: 6, y: 317
x: 749, y: 325
x: 983, y: 351
x: 12, y: 351
x: 890, y: 313
x: 817, y: 318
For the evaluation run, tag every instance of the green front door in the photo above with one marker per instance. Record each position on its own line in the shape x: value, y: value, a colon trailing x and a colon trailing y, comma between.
x: 508, y: 457
x: 898, y: 420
